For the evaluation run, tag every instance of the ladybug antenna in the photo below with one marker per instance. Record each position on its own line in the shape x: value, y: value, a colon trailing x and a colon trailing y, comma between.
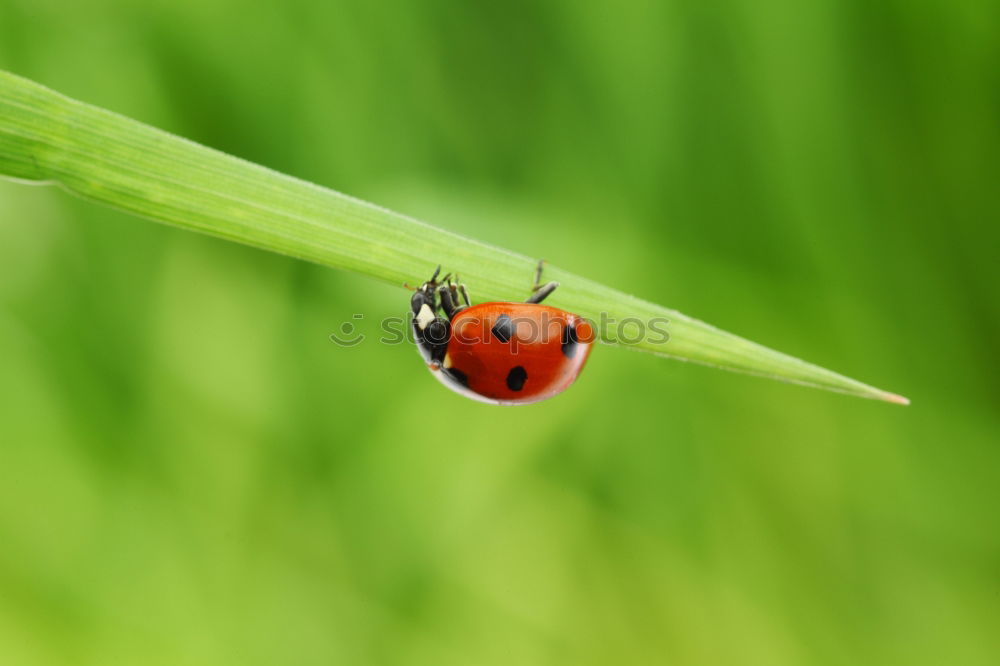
x: 437, y: 272
x: 406, y: 285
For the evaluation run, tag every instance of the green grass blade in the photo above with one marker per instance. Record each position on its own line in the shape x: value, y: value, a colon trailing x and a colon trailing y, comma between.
x: 119, y: 162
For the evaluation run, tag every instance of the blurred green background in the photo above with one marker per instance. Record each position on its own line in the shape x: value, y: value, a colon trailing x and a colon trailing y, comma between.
x: 192, y: 473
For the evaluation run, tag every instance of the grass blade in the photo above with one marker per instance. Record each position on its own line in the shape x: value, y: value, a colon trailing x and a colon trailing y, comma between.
x: 110, y: 159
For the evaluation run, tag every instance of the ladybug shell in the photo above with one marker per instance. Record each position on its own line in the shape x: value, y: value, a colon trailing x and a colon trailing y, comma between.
x: 514, y: 353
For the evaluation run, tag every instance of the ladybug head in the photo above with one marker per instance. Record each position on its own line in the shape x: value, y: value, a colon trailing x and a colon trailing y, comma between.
x: 431, y: 331
x: 426, y: 294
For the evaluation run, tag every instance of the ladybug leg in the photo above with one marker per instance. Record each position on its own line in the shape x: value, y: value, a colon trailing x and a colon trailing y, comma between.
x: 538, y: 274
x: 459, y: 289
x: 541, y: 291
x: 449, y: 300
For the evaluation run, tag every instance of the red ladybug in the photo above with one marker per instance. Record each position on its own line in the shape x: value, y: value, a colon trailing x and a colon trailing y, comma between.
x: 501, y: 353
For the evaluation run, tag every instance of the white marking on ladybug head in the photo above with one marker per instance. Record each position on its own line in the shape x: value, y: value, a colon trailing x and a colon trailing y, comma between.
x: 447, y: 361
x: 424, y: 317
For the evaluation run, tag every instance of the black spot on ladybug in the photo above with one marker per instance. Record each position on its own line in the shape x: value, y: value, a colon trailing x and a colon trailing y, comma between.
x: 458, y: 376
x: 516, y: 378
x: 503, y: 329
x: 570, y: 341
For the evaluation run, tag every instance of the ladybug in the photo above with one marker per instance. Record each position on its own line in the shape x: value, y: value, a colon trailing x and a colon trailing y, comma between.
x: 502, y: 353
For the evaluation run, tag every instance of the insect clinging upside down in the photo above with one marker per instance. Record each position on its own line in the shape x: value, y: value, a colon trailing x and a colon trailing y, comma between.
x: 503, y: 353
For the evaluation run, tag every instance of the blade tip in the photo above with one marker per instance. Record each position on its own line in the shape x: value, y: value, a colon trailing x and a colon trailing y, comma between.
x: 896, y: 399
